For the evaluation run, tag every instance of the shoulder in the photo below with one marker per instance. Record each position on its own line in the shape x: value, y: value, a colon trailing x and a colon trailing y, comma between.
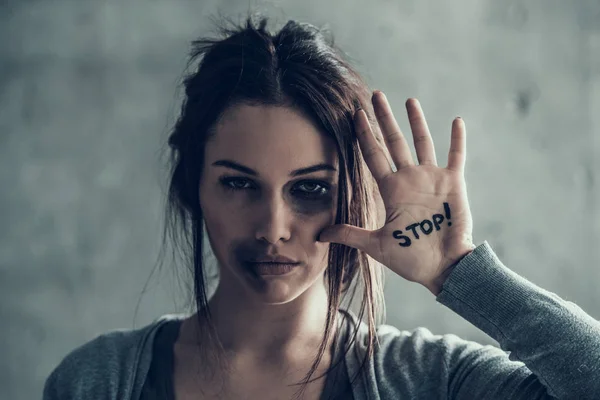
x: 419, y: 362
x: 419, y: 345
x: 105, y: 367
x: 422, y: 347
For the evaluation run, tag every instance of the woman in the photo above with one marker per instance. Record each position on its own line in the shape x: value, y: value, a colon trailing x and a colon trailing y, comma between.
x: 270, y: 158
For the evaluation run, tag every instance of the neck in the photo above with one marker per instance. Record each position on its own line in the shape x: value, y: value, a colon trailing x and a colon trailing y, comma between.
x: 271, y: 334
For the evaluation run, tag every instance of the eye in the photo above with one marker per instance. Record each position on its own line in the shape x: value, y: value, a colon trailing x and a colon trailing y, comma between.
x: 234, y: 183
x: 304, y: 189
x: 314, y: 188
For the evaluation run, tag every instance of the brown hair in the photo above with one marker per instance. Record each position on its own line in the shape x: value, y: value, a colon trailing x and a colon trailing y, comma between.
x: 301, y: 67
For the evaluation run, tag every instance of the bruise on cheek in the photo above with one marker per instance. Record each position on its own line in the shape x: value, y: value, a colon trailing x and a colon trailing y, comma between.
x: 312, y: 207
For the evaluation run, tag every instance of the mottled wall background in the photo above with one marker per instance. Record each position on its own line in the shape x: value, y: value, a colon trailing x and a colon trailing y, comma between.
x: 88, y: 91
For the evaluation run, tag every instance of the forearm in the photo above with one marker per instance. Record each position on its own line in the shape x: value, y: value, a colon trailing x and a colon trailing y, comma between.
x: 555, y: 339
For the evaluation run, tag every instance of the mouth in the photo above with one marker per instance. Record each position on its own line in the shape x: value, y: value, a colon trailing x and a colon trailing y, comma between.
x: 272, y: 268
x: 277, y: 259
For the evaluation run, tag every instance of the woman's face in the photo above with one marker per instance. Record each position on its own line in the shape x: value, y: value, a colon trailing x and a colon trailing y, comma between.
x: 257, y: 201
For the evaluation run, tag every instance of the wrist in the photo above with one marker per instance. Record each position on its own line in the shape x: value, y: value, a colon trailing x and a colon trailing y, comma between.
x: 435, y: 286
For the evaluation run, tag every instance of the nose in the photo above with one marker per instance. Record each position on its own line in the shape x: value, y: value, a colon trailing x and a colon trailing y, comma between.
x: 273, y: 221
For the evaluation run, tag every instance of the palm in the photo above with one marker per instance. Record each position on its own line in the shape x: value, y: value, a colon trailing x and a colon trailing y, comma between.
x: 415, y: 195
x: 417, y: 241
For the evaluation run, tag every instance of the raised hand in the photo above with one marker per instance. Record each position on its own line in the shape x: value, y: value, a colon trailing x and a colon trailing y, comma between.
x: 428, y: 226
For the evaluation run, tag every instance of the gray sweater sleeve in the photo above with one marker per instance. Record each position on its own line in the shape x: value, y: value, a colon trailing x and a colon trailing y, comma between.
x: 551, y: 346
x: 111, y: 366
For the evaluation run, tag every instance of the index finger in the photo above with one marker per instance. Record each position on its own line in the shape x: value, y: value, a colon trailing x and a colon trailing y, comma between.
x: 394, y: 139
x: 370, y: 148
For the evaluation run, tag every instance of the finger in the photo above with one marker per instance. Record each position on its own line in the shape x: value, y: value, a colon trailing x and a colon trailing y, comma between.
x: 347, y: 235
x: 421, y: 136
x: 371, y: 150
x: 394, y: 139
x: 458, y: 146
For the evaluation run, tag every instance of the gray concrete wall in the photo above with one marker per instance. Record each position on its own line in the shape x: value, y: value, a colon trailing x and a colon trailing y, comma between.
x: 88, y: 92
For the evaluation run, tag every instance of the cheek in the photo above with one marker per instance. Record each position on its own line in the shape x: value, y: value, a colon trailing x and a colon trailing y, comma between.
x: 217, y: 234
x: 314, y: 217
x: 315, y: 208
x: 227, y: 217
x: 220, y: 224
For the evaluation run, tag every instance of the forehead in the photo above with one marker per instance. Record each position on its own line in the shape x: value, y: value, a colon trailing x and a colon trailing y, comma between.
x: 270, y: 139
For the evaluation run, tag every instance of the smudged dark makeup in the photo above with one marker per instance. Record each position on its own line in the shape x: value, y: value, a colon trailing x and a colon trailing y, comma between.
x: 313, y: 189
x: 310, y: 195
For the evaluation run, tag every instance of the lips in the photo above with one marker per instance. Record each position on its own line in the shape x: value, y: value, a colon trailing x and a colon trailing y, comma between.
x: 270, y: 268
x: 277, y: 259
x: 262, y: 264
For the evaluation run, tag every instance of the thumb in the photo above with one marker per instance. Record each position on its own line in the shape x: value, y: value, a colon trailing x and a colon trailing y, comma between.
x: 348, y: 235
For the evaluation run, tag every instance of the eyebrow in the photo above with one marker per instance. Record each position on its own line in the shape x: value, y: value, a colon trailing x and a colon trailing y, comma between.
x: 297, y: 172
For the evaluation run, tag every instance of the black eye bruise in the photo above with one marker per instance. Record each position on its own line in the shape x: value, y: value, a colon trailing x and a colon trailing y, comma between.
x: 315, y: 206
x: 318, y: 196
x: 323, y: 191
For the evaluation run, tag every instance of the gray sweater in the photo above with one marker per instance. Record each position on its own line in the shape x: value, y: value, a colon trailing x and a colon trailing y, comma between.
x: 551, y: 348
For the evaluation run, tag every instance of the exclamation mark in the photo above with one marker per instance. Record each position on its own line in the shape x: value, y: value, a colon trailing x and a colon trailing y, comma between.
x: 447, y: 211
